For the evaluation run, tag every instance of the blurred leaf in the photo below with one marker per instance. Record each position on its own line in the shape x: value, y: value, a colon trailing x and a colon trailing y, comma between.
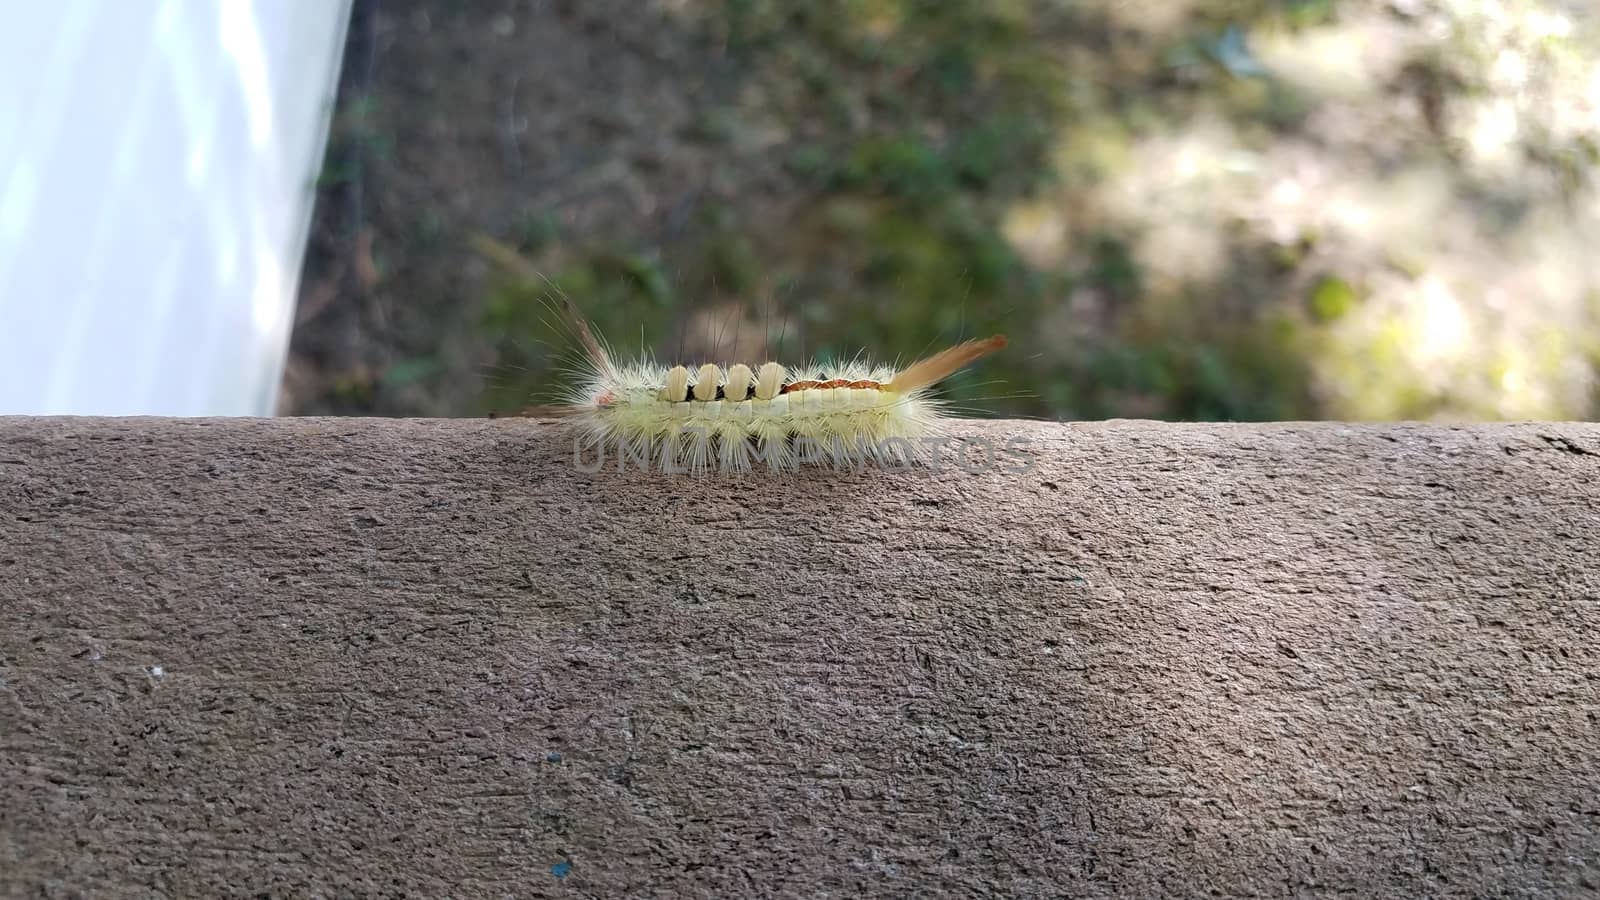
x: 410, y: 371
x: 1333, y: 299
x: 1232, y: 51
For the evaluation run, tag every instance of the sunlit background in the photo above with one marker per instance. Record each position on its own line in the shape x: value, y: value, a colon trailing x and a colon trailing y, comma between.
x: 1208, y: 209
x: 1193, y: 209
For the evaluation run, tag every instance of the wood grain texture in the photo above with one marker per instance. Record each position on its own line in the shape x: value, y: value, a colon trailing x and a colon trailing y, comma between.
x: 374, y: 657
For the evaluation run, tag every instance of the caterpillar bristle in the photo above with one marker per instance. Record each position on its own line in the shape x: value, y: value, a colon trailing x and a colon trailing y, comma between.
x: 591, y: 346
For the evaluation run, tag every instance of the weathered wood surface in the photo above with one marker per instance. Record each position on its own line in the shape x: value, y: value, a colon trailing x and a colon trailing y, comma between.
x: 357, y: 657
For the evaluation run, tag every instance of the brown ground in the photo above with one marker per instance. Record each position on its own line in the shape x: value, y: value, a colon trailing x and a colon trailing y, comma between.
x: 336, y: 657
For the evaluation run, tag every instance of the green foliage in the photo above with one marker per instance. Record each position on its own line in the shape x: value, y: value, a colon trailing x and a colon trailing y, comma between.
x: 914, y: 128
x: 1332, y: 299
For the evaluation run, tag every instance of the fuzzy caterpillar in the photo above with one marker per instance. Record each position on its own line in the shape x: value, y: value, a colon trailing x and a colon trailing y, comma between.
x: 735, y: 417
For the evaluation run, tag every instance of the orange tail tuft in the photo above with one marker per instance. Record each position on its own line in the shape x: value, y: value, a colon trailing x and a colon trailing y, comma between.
x: 942, y: 365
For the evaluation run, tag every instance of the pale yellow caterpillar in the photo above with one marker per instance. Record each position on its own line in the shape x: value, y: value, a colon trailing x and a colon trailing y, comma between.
x: 734, y: 417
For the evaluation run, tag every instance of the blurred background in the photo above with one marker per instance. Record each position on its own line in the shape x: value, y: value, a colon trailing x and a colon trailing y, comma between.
x: 1198, y: 209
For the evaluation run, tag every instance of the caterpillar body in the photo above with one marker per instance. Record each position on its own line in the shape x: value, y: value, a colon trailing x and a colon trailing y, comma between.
x: 736, y: 417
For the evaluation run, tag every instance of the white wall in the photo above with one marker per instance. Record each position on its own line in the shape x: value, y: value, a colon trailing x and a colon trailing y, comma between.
x: 157, y: 162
